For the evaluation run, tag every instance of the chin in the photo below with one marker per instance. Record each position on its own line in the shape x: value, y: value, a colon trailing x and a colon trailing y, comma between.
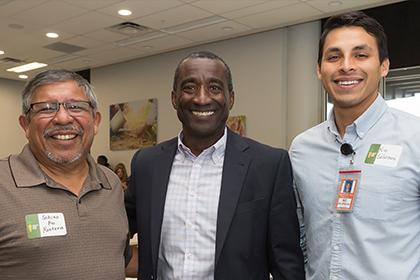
x: 60, y: 159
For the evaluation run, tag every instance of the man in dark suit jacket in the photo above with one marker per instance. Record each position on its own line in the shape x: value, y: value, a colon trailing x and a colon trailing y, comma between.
x: 210, y: 204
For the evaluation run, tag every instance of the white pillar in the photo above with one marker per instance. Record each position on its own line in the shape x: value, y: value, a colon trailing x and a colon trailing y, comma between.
x: 304, y: 93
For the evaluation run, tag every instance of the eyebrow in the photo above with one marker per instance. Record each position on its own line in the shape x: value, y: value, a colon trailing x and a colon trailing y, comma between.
x: 187, y: 80
x: 216, y: 80
x: 356, y: 48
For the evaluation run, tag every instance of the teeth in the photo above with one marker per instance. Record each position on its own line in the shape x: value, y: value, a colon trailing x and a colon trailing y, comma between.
x: 203, y: 114
x: 64, y: 136
x: 347, y: 83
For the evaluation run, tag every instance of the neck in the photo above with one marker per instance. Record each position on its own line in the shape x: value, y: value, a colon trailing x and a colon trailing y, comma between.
x: 198, y: 144
x: 71, y: 175
x: 345, y: 116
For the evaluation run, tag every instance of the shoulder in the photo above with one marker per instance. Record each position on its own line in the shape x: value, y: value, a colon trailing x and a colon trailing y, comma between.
x: 404, y: 116
x: 150, y: 153
x: 309, y: 135
x: 407, y: 124
x: 255, y: 149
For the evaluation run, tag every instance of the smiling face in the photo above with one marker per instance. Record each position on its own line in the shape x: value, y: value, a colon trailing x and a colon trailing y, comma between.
x: 350, y: 69
x: 202, y: 99
x: 62, y: 138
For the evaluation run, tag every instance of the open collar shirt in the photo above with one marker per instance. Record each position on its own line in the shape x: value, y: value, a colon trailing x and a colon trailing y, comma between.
x: 188, y: 237
x: 380, y: 238
x: 95, y: 223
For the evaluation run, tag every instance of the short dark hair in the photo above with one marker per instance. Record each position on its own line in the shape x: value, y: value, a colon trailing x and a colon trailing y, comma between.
x: 360, y: 19
x: 208, y: 55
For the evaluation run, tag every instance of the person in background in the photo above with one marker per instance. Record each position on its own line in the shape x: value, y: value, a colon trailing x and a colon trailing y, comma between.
x: 121, y: 172
x: 103, y: 160
x: 210, y: 204
x: 374, y: 233
x: 62, y: 215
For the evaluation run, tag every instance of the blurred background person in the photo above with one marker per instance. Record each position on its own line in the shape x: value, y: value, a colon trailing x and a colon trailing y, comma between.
x: 103, y: 160
x: 121, y: 172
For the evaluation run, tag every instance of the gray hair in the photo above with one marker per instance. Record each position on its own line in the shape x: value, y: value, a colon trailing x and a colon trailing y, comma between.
x: 56, y: 76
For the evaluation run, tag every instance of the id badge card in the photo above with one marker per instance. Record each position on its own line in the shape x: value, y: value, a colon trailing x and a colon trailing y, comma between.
x: 348, y: 184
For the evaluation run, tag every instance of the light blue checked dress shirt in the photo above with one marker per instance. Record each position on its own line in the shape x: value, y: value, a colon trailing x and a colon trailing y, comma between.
x: 188, y: 237
x: 380, y: 239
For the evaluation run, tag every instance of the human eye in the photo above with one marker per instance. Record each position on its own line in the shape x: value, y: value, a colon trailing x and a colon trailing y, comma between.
x: 362, y: 55
x: 332, y: 57
x: 215, y: 88
x: 189, y: 88
x: 44, y: 107
x: 77, y: 106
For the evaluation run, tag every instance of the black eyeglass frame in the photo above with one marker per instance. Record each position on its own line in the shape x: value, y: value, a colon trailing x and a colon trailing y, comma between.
x: 58, y: 104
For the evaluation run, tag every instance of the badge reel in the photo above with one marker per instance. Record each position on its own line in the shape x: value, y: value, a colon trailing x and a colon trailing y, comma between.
x: 348, y: 182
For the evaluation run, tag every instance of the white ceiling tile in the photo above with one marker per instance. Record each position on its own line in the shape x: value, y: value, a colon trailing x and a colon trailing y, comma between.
x: 259, y: 8
x: 83, y: 23
x: 78, y: 63
x: 87, y: 23
x: 12, y: 7
x: 41, y: 15
x: 324, y: 6
x: 166, y: 43
x: 280, y: 17
x: 219, y: 7
x: 140, y: 8
x: 171, y: 17
x: 83, y: 41
x: 92, y: 4
x: 114, y: 54
x: 105, y: 35
x: 215, y: 32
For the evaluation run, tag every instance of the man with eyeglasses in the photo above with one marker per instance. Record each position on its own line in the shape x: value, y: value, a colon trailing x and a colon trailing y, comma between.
x: 62, y: 214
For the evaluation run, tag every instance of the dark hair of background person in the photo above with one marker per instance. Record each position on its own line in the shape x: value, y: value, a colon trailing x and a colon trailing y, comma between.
x: 103, y: 160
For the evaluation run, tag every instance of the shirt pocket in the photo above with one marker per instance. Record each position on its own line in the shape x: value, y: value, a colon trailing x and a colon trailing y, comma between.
x: 381, y: 201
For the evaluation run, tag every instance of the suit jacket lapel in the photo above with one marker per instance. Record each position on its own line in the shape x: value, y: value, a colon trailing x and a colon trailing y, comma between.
x: 235, y: 166
x: 160, y: 180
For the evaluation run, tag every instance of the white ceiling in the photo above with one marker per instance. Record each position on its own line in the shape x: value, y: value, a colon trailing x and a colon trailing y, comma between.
x: 173, y: 24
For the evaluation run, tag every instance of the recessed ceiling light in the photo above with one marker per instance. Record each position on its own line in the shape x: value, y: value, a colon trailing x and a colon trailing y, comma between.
x: 26, y: 67
x: 148, y: 47
x: 52, y: 35
x: 124, y: 12
x: 1, y: 52
x: 335, y: 3
x: 23, y: 76
x: 227, y: 28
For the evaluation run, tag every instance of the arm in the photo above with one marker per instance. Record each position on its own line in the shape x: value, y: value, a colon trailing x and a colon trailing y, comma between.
x: 130, y: 198
x: 286, y: 259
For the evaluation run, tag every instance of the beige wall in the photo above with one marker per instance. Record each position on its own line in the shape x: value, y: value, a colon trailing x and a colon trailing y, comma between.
x: 12, y: 137
x: 258, y: 67
x: 273, y: 75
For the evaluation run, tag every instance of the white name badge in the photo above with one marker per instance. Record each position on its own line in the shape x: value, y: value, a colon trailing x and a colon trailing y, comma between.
x: 45, y: 224
x: 385, y: 155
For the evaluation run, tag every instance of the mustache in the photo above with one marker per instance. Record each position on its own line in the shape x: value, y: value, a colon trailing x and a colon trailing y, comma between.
x: 74, y: 129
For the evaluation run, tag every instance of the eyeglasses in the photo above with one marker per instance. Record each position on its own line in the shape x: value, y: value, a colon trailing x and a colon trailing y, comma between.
x: 49, y: 109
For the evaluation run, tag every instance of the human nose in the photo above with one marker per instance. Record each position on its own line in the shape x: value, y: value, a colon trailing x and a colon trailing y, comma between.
x: 62, y: 115
x: 202, y: 95
x: 347, y: 64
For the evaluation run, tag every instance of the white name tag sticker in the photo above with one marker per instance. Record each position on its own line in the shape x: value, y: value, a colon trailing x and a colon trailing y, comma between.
x: 385, y: 155
x: 45, y: 224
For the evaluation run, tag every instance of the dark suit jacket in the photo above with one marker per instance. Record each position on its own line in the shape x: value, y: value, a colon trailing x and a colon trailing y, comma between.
x: 257, y: 229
